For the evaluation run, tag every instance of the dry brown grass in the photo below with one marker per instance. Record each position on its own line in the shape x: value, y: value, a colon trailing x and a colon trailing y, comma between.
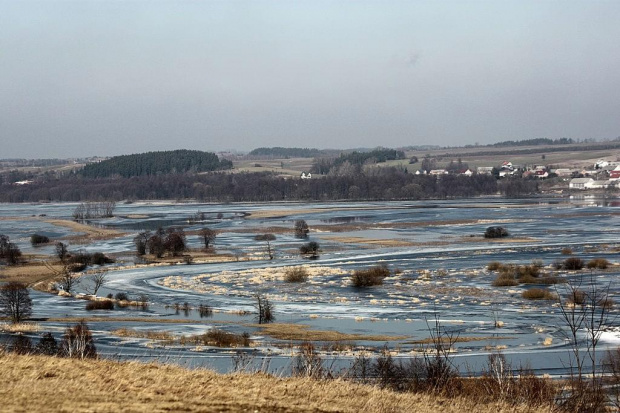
x: 31, y: 273
x: 89, y: 233
x: 151, y: 335
x: 302, y: 332
x: 538, y: 294
x: 19, y: 327
x: 39, y: 383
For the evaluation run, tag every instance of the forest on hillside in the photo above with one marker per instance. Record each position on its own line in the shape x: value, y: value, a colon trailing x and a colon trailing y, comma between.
x: 156, y: 163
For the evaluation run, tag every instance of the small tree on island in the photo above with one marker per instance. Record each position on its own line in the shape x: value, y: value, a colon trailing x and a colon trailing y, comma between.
x: 61, y: 251
x: 208, y: 236
x: 301, y: 229
x: 310, y: 249
x: 264, y: 308
x: 15, y: 301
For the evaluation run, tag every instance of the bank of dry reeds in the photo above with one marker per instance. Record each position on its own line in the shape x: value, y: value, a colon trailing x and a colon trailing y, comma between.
x: 54, y: 384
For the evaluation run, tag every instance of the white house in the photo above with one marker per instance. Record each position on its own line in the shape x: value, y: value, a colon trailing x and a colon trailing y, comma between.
x: 580, y: 183
x: 600, y: 184
x: 488, y: 170
x: 438, y: 172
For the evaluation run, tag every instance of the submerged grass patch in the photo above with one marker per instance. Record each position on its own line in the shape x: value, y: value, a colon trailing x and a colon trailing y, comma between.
x: 302, y: 332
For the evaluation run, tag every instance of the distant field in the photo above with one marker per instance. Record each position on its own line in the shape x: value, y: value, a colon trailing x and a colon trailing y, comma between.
x: 556, y: 155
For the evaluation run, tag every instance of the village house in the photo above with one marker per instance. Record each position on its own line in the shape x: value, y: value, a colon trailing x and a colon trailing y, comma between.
x: 485, y: 170
x: 580, y: 183
x: 615, y: 174
x: 438, y: 172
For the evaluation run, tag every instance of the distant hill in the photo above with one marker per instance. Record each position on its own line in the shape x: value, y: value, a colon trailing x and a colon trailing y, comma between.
x: 156, y: 163
x: 280, y: 152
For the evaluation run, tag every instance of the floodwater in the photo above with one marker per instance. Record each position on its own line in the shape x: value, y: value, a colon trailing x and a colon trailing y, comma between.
x: 434, y: 249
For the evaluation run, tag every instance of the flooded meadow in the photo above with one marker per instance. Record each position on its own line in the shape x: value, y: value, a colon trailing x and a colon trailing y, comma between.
x: 435, y: 251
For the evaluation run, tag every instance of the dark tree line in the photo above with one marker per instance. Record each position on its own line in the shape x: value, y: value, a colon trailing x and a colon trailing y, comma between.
x: 154, y: 163
x: 377, y: 184
x: 534, y: 142
x: 280, y: 152
x: 325, y: 165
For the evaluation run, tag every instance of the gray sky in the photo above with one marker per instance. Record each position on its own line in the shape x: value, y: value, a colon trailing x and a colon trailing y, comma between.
x: 83, y: 78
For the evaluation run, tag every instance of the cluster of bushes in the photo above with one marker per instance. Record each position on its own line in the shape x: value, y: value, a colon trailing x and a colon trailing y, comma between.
x: 37, y: 239
x: 77, y: 342
x: 434, y: 374
x: 219, y: 338
x: 509, y: 275
x: 79, y: 261
x: 172, y: 241
x: 598, y: 263
x: 310, y: 249
x: 100, y: 305
x: 296, y: 275
x: 9, y: 251
x: 538, y: 294
x: 369, y: 277
x: 495, y: 232
x: 575, y: 264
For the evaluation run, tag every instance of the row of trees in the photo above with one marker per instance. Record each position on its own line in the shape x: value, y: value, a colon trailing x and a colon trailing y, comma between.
x: 77, y: 342
x: 351, y: 182
x: 161, y: 241
x: 90, y: 210
x: 324, y: 165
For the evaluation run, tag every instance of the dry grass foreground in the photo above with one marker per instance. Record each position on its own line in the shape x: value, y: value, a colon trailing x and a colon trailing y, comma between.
x: 41, y: 383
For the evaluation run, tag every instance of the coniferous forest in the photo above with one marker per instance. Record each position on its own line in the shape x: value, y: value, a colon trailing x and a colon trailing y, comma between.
x: 156, y: 163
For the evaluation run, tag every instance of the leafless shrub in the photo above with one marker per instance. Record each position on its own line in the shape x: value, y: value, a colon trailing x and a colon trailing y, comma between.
x: 580, y: 310
x: 308, y: 362
x: 598, y: 263
x: 221, y: 338
x: 265, y: 309
x: 100, y: 305
x: 296, y: 275
x: 78, y: 342
x: 573, y: 263
x: 369, y: 277
x: 538, y: 294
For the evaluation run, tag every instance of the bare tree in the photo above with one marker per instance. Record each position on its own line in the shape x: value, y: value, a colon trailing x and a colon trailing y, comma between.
x: 61, y: 251
x: 141, y: 241
x: 15, y: 301
x: 584, y: 308
x: 12, y: 254
x: 65, y: 277
x: 268, y: 238
x: 99, y: 279
x: 208, y: 236
x: 301, y: 229
x: 78, y: 342
x: 264, y: 308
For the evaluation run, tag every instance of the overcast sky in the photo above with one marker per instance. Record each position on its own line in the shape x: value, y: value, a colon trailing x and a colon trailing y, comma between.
x: 84, y: 78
